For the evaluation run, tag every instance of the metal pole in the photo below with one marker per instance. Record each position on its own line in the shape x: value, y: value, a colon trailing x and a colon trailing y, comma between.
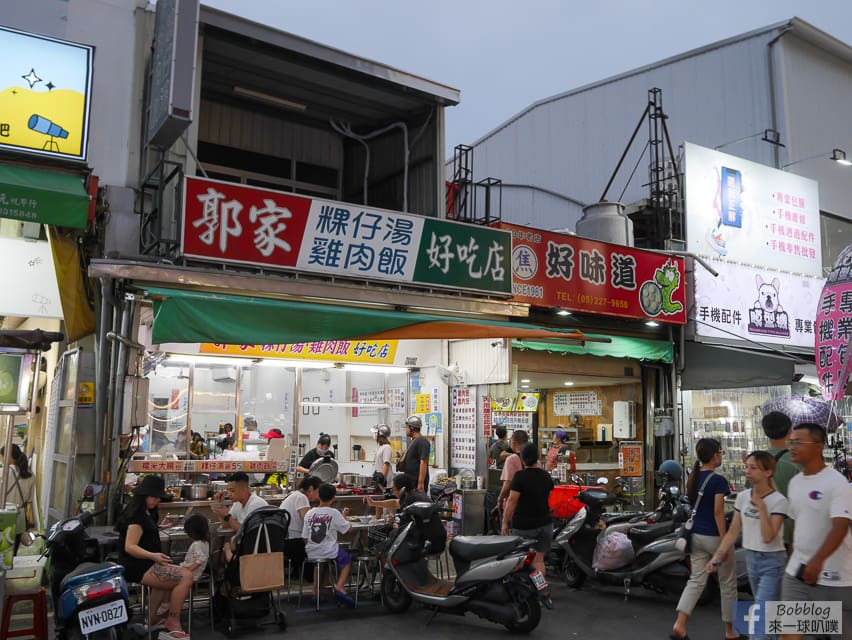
x: 7, y: 459
x: 102, y: 361
x: 117, y: 393
x: 297, y: 408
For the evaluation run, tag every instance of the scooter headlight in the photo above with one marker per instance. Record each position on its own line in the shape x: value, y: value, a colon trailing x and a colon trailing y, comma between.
x: 91, y: 591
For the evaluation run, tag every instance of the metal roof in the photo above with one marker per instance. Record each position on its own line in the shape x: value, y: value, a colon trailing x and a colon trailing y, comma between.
x: 796, y: 26
x: 322, y: 82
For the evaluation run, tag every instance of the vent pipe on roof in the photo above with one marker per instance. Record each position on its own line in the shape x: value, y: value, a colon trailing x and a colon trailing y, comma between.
x: 607, y: 222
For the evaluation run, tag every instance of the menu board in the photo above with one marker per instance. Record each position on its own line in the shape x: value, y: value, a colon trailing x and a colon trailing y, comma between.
x: 630, y: 459
x: 463, y: 438
x: 585, y: 403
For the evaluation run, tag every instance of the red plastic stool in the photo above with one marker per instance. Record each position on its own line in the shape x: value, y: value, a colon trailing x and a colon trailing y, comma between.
x: 39, y: 628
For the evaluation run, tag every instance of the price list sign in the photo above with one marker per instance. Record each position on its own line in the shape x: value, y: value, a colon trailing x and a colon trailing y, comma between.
x: 630, y: 459
x: 463, y: 439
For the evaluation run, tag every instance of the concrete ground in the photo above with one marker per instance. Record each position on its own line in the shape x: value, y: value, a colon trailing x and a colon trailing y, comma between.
x: 592, y: 612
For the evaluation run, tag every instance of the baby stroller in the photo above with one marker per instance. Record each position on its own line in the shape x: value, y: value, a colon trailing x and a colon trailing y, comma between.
x: 263, y: 532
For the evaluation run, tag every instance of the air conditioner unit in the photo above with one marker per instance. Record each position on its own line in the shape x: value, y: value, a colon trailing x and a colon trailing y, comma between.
x: 223, y: 374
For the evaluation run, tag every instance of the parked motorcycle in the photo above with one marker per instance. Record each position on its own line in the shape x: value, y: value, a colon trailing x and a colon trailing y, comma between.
x: 657, y: 564
x: 495, y: 578
x: 90, y: 598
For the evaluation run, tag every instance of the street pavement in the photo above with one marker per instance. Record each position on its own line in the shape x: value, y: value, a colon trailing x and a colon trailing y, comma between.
x: 592, y: 612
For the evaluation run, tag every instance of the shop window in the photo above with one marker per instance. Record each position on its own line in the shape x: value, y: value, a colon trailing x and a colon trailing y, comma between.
x: 731, y: 416
x: 836, y: 235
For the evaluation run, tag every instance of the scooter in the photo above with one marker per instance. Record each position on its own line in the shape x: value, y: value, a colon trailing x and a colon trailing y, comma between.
x: 495, y: 577
x: 657, y: 564
x: 90, y: 598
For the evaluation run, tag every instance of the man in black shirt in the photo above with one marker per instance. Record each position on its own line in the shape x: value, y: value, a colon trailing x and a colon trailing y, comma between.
x: 322, y: 450
x: 415, y: 460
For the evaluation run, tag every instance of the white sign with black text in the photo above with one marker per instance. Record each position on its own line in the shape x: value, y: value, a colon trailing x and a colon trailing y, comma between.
x: 762, y: 305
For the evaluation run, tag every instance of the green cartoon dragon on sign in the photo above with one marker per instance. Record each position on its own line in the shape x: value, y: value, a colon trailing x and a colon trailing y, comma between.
x: 655, y: 296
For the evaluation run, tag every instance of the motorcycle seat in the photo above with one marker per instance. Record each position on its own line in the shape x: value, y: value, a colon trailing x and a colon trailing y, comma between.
x: 91, y: 571
x: 471, y: 548
x: 647, y: 533
x: 597, y: 497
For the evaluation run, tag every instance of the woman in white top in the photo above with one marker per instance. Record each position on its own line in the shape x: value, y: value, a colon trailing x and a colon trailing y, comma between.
x: 759, y: 512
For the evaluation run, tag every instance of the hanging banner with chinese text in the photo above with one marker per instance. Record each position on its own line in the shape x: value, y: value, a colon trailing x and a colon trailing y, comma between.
x: 367, y: 351
x: 761, y: 305
x: 559, y: 270
x: 226, y: 222
x: 834, y: 328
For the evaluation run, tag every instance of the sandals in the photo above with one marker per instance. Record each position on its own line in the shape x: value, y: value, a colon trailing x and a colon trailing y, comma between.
x: 344, y: 598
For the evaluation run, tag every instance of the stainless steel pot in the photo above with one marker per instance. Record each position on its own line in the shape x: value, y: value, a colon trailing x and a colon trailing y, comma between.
x: 350, y: 479
x: 364, y: 481
x: 195, y: 491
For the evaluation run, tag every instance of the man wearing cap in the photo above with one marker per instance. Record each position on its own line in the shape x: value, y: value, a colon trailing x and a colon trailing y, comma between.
x: 322, y: 450
x: 384, y: 454
x: 415, y: 460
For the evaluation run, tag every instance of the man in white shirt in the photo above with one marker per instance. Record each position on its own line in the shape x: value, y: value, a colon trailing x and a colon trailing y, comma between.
x: 820, y: 567
x: 384, y: 454
x: 244, y: 502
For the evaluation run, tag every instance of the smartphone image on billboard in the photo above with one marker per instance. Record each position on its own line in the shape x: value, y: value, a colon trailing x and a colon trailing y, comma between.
x: 732, y: 210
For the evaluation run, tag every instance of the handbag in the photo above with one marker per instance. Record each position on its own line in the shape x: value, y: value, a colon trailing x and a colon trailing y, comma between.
x: 400, y: 464
x: 262, y: 571
x: 684, y: 534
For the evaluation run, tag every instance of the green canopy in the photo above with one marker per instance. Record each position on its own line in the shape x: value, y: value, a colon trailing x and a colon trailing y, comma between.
x: 197, y: 316
x: 45, y: 197
x: 619, y: 347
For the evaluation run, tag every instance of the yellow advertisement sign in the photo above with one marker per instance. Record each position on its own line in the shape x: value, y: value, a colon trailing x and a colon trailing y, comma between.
x: 423, y: 403
x: 86, y: 394
x: 527, y: 401
x: 45, y: 87
x: 362, y: 351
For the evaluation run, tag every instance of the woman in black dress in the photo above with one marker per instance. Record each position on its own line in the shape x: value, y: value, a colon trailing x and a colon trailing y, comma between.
x: 144, y: 562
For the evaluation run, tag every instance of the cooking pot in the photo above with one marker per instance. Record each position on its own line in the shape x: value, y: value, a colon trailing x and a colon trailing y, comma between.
x: 195, y: 491
x: 325, y: 469
x: 350, y: 479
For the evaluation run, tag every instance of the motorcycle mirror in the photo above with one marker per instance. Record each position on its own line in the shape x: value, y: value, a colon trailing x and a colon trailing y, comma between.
x: 28, y: 537
x: 92, y: 490
x: 603, y: 481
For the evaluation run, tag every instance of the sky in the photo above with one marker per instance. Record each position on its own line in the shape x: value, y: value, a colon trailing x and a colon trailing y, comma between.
x: 503, y: 55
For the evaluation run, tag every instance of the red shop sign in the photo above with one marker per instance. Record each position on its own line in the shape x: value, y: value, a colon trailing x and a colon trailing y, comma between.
x: 558, y: 270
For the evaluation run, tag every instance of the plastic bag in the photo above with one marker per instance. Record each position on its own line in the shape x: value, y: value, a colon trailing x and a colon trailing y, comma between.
x: 613, y: 550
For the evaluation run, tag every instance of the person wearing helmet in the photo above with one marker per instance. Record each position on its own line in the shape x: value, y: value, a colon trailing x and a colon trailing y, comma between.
x: 382, y: 471
x: 415, y: 460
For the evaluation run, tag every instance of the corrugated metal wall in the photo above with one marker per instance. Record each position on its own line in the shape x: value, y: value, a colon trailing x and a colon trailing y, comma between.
x: 385, y: 188
x: 817, y: 90
x: 571, y: 144
x: 233, y: 127
x: 486, y: 361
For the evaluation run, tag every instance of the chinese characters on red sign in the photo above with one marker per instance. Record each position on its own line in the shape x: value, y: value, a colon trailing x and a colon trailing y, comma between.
x: 557, y: 270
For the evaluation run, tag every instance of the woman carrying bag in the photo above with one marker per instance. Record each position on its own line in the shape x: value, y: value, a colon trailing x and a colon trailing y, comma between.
x: 706, y: 490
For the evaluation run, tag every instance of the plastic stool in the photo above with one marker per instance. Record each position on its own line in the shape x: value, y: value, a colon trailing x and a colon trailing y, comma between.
x: 39, y: 622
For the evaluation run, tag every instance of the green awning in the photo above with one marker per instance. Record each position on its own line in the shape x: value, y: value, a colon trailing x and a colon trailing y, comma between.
x: 196, y: 316
x: 45, y: 197
x: 619, y: 347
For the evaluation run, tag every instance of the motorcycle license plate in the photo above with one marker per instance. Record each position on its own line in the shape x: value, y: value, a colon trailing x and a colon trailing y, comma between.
x: 538, y: 580
x: 102, y: 617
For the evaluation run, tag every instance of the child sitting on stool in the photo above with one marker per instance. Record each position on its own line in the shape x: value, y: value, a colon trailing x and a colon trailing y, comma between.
x: 322, y: 524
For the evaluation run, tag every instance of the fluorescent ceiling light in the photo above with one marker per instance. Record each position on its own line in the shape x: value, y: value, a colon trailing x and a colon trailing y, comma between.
x: 563, y: 312
x: 652, y: 323
x: 525, y: 386
x: 373, y: 368
x: 525, y: 379
x: 265, y: 97
x: 295, y: 364
x: 568, y: 384
x: 176, y: 358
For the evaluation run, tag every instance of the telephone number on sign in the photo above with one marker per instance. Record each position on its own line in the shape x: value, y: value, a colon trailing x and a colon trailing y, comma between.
x: 601, y: 301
